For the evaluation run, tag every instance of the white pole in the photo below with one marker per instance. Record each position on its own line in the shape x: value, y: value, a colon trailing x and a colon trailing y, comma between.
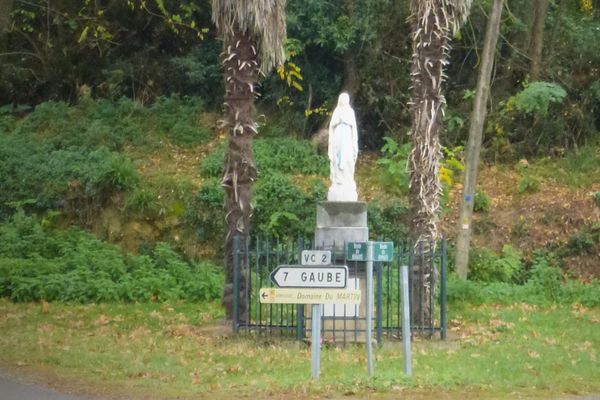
x: 406, y: 322
x: 369, y: 315
x: 316, y: 341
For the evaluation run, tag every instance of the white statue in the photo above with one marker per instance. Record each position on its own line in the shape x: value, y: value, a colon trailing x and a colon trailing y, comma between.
x: 342, y: 151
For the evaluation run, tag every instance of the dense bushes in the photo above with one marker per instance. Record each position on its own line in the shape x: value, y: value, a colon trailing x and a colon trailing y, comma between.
x: 71, y: 157
x: 507, y: 278
x: 93, y: 123
x: 486, y: 266
x: 281, y: 208
x: 272, y: 155
x: 388, y: 222
x: 45, y: 177
x: 546, y: 286
x: 39, y: 263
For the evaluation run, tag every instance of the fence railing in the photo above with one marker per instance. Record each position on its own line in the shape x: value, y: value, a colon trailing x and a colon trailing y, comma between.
x: 255, y: 259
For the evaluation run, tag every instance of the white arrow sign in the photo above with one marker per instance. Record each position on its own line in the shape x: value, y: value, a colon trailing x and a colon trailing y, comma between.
x: 299, y: 276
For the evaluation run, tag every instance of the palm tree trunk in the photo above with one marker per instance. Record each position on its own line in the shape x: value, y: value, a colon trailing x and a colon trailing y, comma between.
x: 430, y: 32
x: 240, y: 61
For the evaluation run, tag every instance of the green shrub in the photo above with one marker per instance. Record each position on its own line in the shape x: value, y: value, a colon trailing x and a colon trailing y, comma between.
x: 580, y: 243
x: 486, y: 266
x: 283, y: 209
x: 394, y: 177
x: 481, y: 202
x: 546, y: 279
x: 544, y: 288
x: 528, y: 184
x: 204, y: 212
x: 93, y: 123
x: 537, y: 97
x: 388, y: 222
x: 178, y: 119
x: 285, y: 155
x: 212, y: 165
x: 143, y: 200
x: 53, y: 177
x: 71, y: 265
x: 272, y: 155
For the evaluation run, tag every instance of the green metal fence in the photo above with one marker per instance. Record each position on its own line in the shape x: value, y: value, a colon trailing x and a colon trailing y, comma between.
x: 255, y: 259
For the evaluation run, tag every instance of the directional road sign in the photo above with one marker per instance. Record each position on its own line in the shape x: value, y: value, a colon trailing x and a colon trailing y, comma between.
x: 356, y: 251
x: 309, y: 296
x: 301, y: 276
x: 316, y: 257
x: 383, y: 251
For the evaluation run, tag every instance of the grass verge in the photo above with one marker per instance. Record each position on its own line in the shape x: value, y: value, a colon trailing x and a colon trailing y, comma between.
x: 179, y: 350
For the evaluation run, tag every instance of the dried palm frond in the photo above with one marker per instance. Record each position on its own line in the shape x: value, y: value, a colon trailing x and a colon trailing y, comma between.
x: 264, y: 20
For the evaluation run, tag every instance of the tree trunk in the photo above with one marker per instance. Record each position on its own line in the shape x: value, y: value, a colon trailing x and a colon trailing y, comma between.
x: 350, y: 83
x: 241, y: 66
x: 433, y: 23
x: 475, y: 136
x: 350, y: 79
x: 536, y: 44
x: 5, y: 9
x: 430, y: 53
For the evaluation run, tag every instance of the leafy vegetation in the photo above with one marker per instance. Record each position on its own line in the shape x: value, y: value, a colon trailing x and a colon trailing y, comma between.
x: 41, y: 263
x: 486, y: 266
x: 272, y: 155
x: 481, y: 202
x: 282, y: 209
x: 105, y: 106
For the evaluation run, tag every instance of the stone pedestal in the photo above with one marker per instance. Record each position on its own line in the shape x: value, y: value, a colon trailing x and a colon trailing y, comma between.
x: 337, y: 223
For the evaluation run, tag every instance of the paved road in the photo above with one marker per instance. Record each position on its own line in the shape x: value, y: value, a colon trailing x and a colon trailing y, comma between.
x: 13, y: 389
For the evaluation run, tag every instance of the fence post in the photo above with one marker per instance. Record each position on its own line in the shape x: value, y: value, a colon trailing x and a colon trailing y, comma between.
x: 443, y: 292
x: 406, y: 336
x: 236, y: 283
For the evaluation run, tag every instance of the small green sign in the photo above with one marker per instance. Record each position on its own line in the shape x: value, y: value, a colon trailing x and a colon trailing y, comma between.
x: 383, y: 251
x: 356, y: 251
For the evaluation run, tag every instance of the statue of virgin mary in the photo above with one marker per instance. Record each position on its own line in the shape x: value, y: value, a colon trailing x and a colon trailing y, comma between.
x: 342, y: 151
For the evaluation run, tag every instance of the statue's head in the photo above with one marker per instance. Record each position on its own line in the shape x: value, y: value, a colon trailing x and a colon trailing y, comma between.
x: 344, y: 100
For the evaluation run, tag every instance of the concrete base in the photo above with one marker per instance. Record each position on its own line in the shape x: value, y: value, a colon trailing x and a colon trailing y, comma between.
x: 339, y: 222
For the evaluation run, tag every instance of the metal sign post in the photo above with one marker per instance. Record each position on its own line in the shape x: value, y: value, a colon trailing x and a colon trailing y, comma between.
x: 315, y: 345
x: 406, y: 322
x: 314, y: 282
x: 369, y: 315
x: 369, y: 252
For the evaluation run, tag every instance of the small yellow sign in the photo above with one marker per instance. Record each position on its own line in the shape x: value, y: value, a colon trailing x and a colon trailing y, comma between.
x: 309, y: 296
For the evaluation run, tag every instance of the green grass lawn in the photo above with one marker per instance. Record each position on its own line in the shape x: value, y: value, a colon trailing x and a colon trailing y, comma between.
x: 180, y: 350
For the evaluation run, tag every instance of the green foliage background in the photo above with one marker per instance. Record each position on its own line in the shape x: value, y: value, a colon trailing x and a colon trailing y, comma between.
x: 90, y: 91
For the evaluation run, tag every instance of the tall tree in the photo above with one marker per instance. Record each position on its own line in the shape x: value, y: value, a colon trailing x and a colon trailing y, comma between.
x: 5, y: 9
x: 475, y: 136
x: 536, y: 42
x: 253, y: 33
x: 433, y: 22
